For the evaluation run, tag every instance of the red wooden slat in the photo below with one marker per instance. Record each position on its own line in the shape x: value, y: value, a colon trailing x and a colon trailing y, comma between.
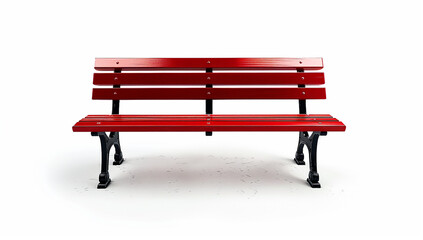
x: 202, y: 119
x: 208, y: 78
x: 129, y: 118
x: 207, y: 126
x: 214, y: 117
x: 208, y: 123
x: 217, y: 115
x: 207, y: 93
x: 109, y: 64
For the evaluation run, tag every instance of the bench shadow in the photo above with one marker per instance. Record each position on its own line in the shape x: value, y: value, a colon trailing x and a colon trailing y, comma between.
x: 205, y: 173
x: 186, y: 173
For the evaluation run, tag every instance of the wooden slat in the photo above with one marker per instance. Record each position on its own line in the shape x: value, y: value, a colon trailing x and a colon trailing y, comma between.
x: 252, y: 119
x: 210, y: 117
x: 208, y: 78
x: 204, y: 122
x: 207, y: 93
x: 128, y: 64
x: 207, y: 126
x: 216, y: 116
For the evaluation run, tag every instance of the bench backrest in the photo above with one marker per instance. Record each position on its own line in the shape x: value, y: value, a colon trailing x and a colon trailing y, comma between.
x: 204, y: 76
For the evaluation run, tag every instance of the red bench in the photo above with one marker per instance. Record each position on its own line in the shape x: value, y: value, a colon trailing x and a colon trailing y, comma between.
x: 205, y: 78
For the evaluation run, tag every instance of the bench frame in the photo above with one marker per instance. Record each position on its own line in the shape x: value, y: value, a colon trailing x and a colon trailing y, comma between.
x: 107, y: 141
x: 311, y: 143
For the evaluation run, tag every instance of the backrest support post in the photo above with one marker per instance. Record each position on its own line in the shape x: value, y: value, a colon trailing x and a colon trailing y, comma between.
x: 115, y: 104
x: 209, y: 102
x: 302, y: 103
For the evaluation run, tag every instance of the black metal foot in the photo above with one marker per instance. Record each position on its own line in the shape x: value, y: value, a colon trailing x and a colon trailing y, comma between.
x: 104, y: 180
x: 118, y: 159
x: 299, y: 158
x: 104, y: 185
x: 313, y: 179
x: 313, y: 184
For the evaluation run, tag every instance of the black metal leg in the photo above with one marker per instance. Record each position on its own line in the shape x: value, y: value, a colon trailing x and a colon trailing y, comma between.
x: 313, y: 176
x: 104, y: 176
x: 118, y: 151
x: 106, y: 143
x: 311, y: 143
x: 299, y: 155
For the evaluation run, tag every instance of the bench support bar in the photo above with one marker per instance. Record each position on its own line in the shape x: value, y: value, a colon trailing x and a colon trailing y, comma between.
x: 209, y: 102
x: 311, y: 143
x: 106, y: 143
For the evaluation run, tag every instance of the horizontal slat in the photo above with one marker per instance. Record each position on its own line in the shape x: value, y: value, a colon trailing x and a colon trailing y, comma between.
x: 131, y: 118
x: 207, y: 93
x: 127, y: 64
x: 216, y: 116
x: 208, y: 78
x: 207, y: 126
x: 272, y: 122
x: 212, y: 119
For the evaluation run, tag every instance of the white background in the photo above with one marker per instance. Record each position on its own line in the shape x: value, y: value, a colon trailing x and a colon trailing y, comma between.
x: 231, y: 185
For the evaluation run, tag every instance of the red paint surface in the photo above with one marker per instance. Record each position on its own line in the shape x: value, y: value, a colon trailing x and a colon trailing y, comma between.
x: 207, y: 93
x: 208, y: 78
x: 214, y: 116
x: 106, y: 123
x: 128, y: 64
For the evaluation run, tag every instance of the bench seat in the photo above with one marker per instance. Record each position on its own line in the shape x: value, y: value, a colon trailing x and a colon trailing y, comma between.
x: 209, y: 122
